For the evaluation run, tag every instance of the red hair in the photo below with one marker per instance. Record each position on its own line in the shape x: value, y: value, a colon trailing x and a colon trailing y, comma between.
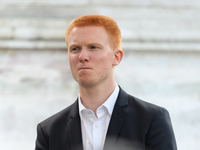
x: 96, y: 20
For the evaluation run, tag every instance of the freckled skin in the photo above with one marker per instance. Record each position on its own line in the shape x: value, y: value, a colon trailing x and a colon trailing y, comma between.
x: 89, y: 49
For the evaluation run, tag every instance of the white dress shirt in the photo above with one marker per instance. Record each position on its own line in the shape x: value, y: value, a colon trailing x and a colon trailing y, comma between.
x: 94, y: 128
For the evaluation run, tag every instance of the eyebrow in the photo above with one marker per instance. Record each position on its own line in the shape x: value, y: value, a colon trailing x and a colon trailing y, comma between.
x: 90, y: 44
x: 98, y: 44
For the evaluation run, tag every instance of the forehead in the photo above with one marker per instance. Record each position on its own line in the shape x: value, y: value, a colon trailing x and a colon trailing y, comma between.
x: 91, y: 33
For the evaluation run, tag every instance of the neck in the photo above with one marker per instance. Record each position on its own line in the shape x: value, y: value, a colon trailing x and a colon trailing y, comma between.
x: 95, y: 96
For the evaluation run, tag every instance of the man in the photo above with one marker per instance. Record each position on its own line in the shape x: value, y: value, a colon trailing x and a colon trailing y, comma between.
x: 104, y: 116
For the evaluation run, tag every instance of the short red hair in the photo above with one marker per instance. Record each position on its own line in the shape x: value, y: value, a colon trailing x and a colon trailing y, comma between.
x: 103, y: 21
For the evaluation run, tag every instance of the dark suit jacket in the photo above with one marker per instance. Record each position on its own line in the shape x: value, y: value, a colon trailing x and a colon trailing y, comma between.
x: 134, y: 125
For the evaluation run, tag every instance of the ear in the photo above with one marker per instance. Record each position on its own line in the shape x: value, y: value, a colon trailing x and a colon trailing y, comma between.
x: 118, y: 54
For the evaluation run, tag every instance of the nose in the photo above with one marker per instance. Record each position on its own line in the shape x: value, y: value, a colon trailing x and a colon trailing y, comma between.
x: 83, y: 57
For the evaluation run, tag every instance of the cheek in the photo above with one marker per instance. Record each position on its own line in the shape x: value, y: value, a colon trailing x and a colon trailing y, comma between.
x: 106, y: 63
x: 72, y: 60
x: 72, y: 65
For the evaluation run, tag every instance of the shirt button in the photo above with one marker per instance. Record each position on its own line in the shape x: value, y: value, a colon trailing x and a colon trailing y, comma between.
x: 96, y: 125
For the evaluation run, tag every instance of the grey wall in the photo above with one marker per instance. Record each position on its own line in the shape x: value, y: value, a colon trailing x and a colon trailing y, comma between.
x: 161, y: 42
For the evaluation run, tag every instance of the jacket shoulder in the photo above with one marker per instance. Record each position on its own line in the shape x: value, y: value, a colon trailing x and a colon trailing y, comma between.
x: 61, y: 116
x: 141, y: 104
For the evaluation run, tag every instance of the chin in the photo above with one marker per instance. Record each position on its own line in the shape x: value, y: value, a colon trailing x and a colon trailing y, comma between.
x: 86, y: 83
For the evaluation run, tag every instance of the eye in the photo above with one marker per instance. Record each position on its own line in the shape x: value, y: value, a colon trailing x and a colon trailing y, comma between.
x: 74, y: 49
x: 93, y: 47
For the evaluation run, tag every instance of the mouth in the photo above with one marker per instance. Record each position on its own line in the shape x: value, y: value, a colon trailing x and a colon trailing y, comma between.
x: 84, y: 68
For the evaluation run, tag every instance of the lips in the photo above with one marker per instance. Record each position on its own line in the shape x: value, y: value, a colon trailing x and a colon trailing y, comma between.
x: 84, y: 68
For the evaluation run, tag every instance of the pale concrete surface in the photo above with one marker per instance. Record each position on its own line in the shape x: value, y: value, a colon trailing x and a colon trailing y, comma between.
x: 37, y: 84
x: 147, y: 24
x: 161, y: 40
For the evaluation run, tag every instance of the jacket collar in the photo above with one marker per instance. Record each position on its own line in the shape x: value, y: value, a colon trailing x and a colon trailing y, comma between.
x: 74, y: 128
x: 117, y: 119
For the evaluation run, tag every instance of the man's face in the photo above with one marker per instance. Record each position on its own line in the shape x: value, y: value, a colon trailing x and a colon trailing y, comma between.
x: 90, y: 56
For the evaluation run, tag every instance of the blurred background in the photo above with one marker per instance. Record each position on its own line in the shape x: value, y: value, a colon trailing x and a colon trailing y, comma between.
x: 161, y: 65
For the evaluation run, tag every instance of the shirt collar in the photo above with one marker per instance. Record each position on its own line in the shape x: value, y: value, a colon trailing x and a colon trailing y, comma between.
x: 81, y: 106
x: 109, y: 103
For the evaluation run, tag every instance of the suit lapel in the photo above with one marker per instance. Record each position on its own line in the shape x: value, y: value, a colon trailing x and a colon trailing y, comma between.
x: 117, y: 119
x: 74, y: 128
